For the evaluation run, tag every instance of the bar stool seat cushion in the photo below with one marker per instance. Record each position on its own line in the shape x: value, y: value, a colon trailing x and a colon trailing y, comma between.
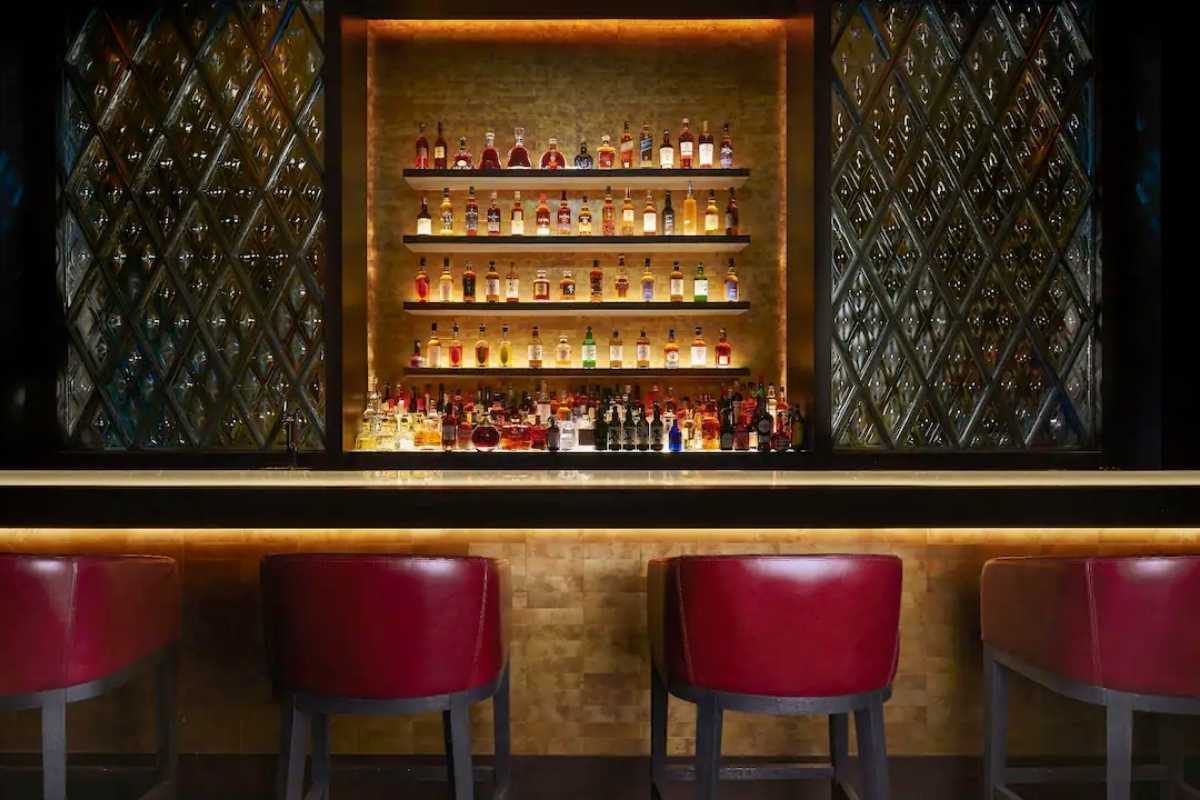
x: 1125, y: 624
x: 385, y: 626
x: 68, y: 620
x: 782, y: 626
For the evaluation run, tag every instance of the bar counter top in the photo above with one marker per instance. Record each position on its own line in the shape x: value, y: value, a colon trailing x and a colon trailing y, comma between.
x: 525, y: 499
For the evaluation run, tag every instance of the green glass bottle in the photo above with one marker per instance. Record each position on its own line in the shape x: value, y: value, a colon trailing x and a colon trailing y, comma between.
x: 588, y: 353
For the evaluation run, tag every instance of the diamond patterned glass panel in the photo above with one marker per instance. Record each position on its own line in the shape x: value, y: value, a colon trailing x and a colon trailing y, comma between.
x: 190, y: 255
x: 964, y: 238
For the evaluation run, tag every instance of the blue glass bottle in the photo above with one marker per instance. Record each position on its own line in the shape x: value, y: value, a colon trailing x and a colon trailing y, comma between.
x: 675, y: 438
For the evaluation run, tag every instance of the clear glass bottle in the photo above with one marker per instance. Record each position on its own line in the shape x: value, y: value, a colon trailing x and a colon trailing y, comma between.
x: 606, y: 154
x: 541, y: 287
x: 468, y: 283
x: 422, y: 159
x: 726, y: 148
x: 433, y: 349
x: 627, y: 215
x: 447, y: 217
x: 621, y: 284
x: 596, y: 282
x: 512, y: 284
x: 705, y: 146
x: 542, y: 216
x: 700, y: 285
x: 643, y: 350
x: 732, y: 287
x: 724, y: 351
x: 424, y: 221
x: 483, y: 350
x: 456, y: 349
x: 689, y: 212
x: 584, y: 159
x: 516, y: 223
x: 553, y: 157
x: 493, y: 217
x: 731, y: 216
x: 585, y: 218
x: 671, y: 351
x: 446, y: 282
x: 471, y: 215
x: 668, y: 216
x: 462, y: 159
x: 687, y: 146
x: 676, y: 283
x: 626, y: 147
x: 440, y: 149
x: 422, y: 282
x: 491, y: 284
x: 566, y: 287
x: 518, y: 156
x: 535, y: 348
x: 649, y: 216
x: 562, y: 353
x: 564, y: 216
x: 489, y: 158
x: 505, y: 348
x: 699, y: 350
x: 647, y: 282
x: 666, y: 152
x: 646, y: 147
x: 587, y: 352
x: 608, y: 214
x: 616, y: 351
x: 712, y: 217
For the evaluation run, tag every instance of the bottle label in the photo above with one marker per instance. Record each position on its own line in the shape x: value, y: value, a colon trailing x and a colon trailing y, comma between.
x: 439, y: 153
x: 700, y: 288
x: 597, y: 285
x: 730, y: 222
x: 433, y: 355
x: 512, y: 288
x: 672, y: 358
x: 423, y: 157
x: 588, y: 354
x: 699, y: 356
x: 627, y: 152
x: 647, y: 290
x: 685, y: 150
x: 425, y: 227
x: 643, y: 353
x: 585, y: 224
x: 493, y: 223
x: 535, y: 353
x: 627, y: 217
x: 468, y: 287
x: 541, y: 290
x: 472, y: 219
x: 668, y: 224
x: 726, y: 156
x: 731, y: 291
x: 706, y: 154
x: 722, y: 359
x: 492, y: 287
x: 666, y: 158
x: 568, y: 291
x: 616, y: 353
x: 447, y: 291
x: 447, y: 221
x: 646, y: 145
x: 676, y: 287
x: 518, y: 226
x: 650, y: 222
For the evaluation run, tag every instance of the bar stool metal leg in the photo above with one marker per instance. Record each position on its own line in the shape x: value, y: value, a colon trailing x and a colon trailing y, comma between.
x: 658, y: 735
x: 502, y: 730
x: 872, y: 749
x: 54, y: 746
x: 1119, y: 768
x: 995, y: 715
x: 708, y: 747
x: 460, y: 745
x: 839, y: 755
x: 167, y: 733
x: 321, y: 764
x: 297, y: 751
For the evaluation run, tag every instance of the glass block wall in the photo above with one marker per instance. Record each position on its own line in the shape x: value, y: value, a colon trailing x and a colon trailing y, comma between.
x: 190, y: 253
x: 964, y: 242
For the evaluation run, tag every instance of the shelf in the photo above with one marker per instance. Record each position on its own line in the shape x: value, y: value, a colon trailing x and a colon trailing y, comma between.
x: 576, y: 244
x: 574, y: 179
x: 607, y: 309
x: 697, y: 373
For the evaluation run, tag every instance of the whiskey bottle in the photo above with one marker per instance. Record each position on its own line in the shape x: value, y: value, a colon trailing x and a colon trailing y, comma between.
x: 596, y: 282
x: 512, y: 284
x: 564, y: 216
x: 705, y: 145
x: 724, y: 351
x: 482, y: 348
x: 700, y: 285
x: 666, y: 152
x: 541, y: 287
x: 553, y: 435
x: 422, y: 282
x: 615, y: 430
x: 626, y: 147
x: 649, y: 216
x: 493, y: 217
x: 687, y: 146
x: 726, y: 413
x: 643, y: 431
x: 726, y: 148
x: 433, y: 350
x: 552, y: 158
x: 616, y: 351
x: 422, y: 160
x: 439, y: 149
x: 647, y: 282
x: 600, y: 429
x: 584, y: 159
x: 656, y: 430
x: 585, y: 218
x: 671, y: 351
x: 643, y: 350
x: 566, y: 287
x: 587, y: 351
x: 712, y: 217
x: 676, y: 283
x: 471, y: 215
x: 447, y: 214
x: 542, y: 215
x: 689, y: 212
x: 424, y: 221
x: 535, y: 349
x: 489, y: 158
x: 446, y: 282
x: 505, y: 348
x: 562, y: 354
x: 456, y: 349
x: 449, y: 428
x: 627, y: 215
x: 622, y: 282
x: 516, y: 224
x: 468, y: 283
x: 608, y: 214
x: 668, y: 216
x: 732, y: 287
x: 462, y: 159
x: 699, y: 350
x: 629, y: 430
x: 646, y: 147
x: 415, y: 359
x: 731, y: 216
x: 518, y: 156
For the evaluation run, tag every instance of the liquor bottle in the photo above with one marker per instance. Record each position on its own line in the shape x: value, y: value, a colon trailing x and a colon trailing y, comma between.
x: 649, y: 216
x: 699, y: 350
x: 710, y: 428
x: 424, y: 221
x: 541, y: 287
x: 433, y: 350
x: 482, y: 348
x: 447, y: 214
x: 468, y: 283
x: 566, y: 287
x: 668, y: 217
x: 689, y: 212
x: 656, y: 430
x: 646, y: 147
x: 584, y: 159
x: 600, y: 429
x: 675, y: 437
x: 629, y: 430
x: 700, y: 285
x: 489, y: 158
x: 798, y: 422
x: 493, y: 217
x: 422, y: 160
x: 518, y: 156
x: 596, y: 282
x: 666, y: 152
x: 587, y: 352
x: 615, y: 430
x: 446, y: 282
x: 608, y: 214
x: 537, y: 435
x: 643, y: 431
x: 772, y: 401
x: 415, y: 359
x: 562, y: 353
x: 422, y: 282
x: 724, y: 351
x: 616, y: 351
x: 516, y: 224
x: 569, y: 439
x: 687, y: 146
x: 486, y: 436
x: 705, y: 145
x: 676, y: 283
x: 732, y: 287
x: 764, y: 425
x: 542, y: 216
x: 553, y: 435
x: 626, y: 147
x: 449, y: 428
x: 627, y: 215
x: 535, y: 349
x: 505, y: 347
x: 552, y: 158
x: 462, y: 159
x: 564, y: 216
x: 456, y: 349
x: 439, y: 149
x: 726, y: 414
x: 622, y: 282
x: 726, y: 148
x: 731, y: 216
x: 471, y: 215
x: 606, y: 154
x: 712, y: 217
x: 647, y: 282
x: 585, y: 218
x: 643, y: 350
x: 512, y: 284
x: 671, y: 351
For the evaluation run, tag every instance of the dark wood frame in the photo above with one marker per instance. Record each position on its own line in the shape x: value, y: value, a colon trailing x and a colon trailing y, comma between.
x: 53, y: 704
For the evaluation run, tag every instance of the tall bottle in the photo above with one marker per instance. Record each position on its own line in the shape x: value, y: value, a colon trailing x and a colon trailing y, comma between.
x: 629, y: 430
x: 687, y: 146
x: 424, y: 221
x: 482, y: 348
x: 616, y: 351
x: 491, y: 284
x: 564, y: 216
x: 668, y: 216
x: 422, y: 282
x: 705, y: 149
x: 699, y: 350
x: 439, y: 149
x: 676, y: 283
x: 712, y: 217
x: 456, y: 349
x: 542, y: 215
x: 726, y: 148
x: 671, y: 351
x: 505, y: 350
x: 422, y: 159
x: 666, y: 152
x: 446, y: 282
x: 493, y: 217
x: 447, y: 214
x: 608, y: 214
x: 700, y: 285
x: 627, y: 215
x: 626, y: 147
x: 732, y: 287
x: 585, y: 218
x: 468, y: 283
x: 646, y: 147
x: 518, y: 156
x: 647, y: 282
x: 622, y: 282
x: 643, y: 350
x: 562, y: 353
x: 433, y: 349
x: 584, y: 159
x: 512, y: 284
x: 553, y: 157
x: 656, y: 430
x: 606, y: 154
x: 649, y: 216
x: 689, y: 212
x: 596, y: 282
x: 471, y: 215
x: 724, y: 351
x: 462, y: 159
x: 587, y: 352
x: 516, y: 221
x: 535, y: 348
x: 731, y: 216
x: 489, y: 158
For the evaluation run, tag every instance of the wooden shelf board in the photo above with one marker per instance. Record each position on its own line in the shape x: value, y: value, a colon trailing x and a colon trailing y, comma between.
x: 709, y: 373
x: 575, y: 179
x: 576, y: 244
x: 576, y: 309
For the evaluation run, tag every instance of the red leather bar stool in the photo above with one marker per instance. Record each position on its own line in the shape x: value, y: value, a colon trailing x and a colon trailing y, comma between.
x: 382, y: 634
x: 1115, y: 632
x: 75, y: 627
x: 775, y: 635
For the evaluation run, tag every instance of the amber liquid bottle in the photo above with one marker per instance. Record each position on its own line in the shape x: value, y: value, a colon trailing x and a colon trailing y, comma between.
x: 626, y: 147
x: 606, y: 154
x: 482, y: 348
x: 512, y: 284
x: 666, y: 152
x: 424, y: 221
x: 422, y: 282
x: 608, y: 215
x: 446, y: 282
x: 671, y: 351
x: 668, y: 217
x: 542, y: 216
x: 422, y: 159
x: 732, y: 287
x: 468, y: 283
x: 489, y: 158
x: 647, y: 282
x: 726, y: 148
x: 649, y: 216
x: 687, y: 146
x: 643, y: 350
x: 516, y: 225
x: 596, y: 282
x: 705, y: 149
x: 439, y: 149
x: 471, y: 215
x: 456, y: 349
x: 585, y: 218
x: 493, y: 217
x: 627, y: 215
x: 622, y: 282
x: 724, y: 351
x: 731, y: 216
x: 564, y: 216
x: 712, y: 217
x: 689, y: 212
x: 491, y: 284
x: 447, y: 214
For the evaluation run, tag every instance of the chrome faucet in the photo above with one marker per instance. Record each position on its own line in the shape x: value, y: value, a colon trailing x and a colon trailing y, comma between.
x: 291, y: 426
